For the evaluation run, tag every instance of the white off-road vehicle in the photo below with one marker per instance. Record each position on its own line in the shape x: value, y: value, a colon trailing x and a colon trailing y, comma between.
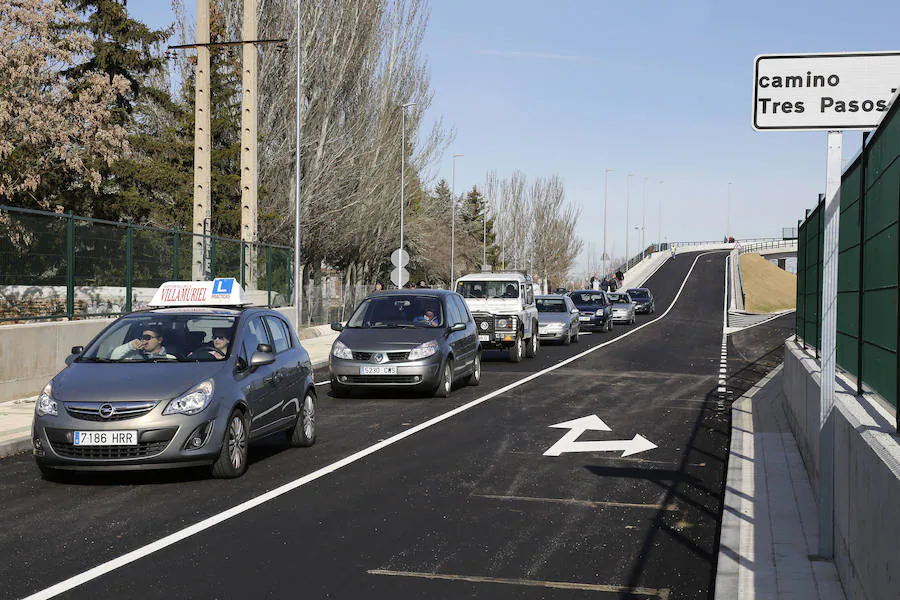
x: 504, y: 310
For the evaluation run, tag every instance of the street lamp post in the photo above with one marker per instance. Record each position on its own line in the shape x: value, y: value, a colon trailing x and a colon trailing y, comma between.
x: 297, y: 302
x: 403, y: 108
x: 453, y: 222
x: 728, y: 214
x: 627, y: 214
x: 659, y: 220
x: 605, y: 256
x: 644, y: 217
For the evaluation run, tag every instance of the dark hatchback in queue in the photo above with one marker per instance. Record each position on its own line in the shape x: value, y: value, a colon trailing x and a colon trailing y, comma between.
x: 595, y: 310
x: 178, y: 387
x: 417, y: 339
x: 643, y: 299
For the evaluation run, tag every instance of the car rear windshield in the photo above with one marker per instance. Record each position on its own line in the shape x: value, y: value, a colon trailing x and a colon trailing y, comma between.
x: 399, y: 311
x: 638, y: 293
x: 163, y: 337
x: 588, y: 298
x: 557, y: 305
x: 488, y: 289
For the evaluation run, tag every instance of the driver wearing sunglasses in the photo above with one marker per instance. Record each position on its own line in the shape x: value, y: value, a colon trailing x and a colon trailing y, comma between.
x: 148, y: 346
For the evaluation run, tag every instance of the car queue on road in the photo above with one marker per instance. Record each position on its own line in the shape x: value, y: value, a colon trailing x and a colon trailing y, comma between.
x: 196, y: 378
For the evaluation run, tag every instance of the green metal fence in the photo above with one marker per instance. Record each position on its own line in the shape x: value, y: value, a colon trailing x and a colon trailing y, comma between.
x: 63, y: 266
x: 869, y: 247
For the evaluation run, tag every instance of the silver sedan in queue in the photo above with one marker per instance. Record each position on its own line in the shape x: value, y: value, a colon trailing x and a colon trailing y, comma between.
x: 557, y: 319
x: 622, y: 307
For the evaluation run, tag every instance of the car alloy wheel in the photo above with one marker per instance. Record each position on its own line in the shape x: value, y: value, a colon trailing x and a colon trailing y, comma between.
x: 237, y: 443
x: 232, y: 461
x: 446, y: 383
x: 475, y: 377
x: 516, y: 350
x: 303, y: 433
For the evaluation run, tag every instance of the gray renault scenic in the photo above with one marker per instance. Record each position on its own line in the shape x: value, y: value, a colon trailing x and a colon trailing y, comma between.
x: 420, y: 339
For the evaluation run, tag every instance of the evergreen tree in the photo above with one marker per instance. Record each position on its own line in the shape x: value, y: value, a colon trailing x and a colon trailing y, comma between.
x: 121, y: 46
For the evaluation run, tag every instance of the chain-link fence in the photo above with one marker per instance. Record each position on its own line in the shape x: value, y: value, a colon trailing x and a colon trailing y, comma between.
x: 869, y: 246
x: 63, y: 266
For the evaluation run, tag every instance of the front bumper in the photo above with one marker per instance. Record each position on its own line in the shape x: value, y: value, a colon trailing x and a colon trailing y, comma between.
x: 594, y: 322
x: 553, y: 335
x: 423, y: 373
x: 161, y: 442
x: 643, y: 308
x: 622, y: 316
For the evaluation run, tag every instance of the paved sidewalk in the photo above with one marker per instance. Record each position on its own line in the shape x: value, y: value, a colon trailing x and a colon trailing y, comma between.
x: 770, y: 522
x: 16, y: 415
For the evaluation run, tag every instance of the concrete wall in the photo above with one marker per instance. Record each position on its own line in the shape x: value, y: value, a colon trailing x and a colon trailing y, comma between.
x: 31, y: 354
x: 866, y: 478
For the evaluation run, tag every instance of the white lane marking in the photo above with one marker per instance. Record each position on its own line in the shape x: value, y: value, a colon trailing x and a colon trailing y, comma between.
x: 234, y: 511
x: 323, y: 383
x: 662, y: 593
x: 576, y: 502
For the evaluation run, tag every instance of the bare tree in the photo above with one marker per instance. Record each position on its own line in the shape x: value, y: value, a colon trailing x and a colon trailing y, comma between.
x: 48, y: 121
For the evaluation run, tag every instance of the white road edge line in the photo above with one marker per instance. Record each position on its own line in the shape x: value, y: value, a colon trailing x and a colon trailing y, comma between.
x: 234, y: 511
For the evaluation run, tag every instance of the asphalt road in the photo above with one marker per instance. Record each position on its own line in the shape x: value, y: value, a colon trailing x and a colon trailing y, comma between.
x: 465, y: 507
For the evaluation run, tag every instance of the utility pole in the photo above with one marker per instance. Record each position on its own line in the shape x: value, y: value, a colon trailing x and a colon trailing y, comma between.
x: 249, y: 176
x: 202, y: 140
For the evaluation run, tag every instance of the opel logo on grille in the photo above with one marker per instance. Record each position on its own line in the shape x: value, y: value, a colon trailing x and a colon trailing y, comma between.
x: 107, y: 410
x: 380, y: 358
x: 484, y: 325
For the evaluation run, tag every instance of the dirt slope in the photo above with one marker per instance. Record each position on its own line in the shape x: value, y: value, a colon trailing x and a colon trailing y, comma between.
x: 766, y: 287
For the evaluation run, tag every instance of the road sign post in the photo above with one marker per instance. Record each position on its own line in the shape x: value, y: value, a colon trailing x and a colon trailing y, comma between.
x: 399, y: 275
x: 825, y: 92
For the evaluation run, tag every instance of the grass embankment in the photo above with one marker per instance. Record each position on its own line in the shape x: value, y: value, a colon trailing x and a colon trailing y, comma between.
x: 766, y: 287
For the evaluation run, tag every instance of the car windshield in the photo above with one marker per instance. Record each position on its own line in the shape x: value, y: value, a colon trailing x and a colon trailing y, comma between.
x: 398, y: 311
x: 157, y: 337
x: 588, y: 298
x: 488, y: 289
x: 557, y: 305
x: 619, y: 298
x: 638, y: 293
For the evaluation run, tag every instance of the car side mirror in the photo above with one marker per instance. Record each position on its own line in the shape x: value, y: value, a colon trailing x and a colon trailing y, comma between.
x: 336, y: 326
x: 266, y: 348
x: 261, y: 359
x: 77, y: 349
x: 458, y: 327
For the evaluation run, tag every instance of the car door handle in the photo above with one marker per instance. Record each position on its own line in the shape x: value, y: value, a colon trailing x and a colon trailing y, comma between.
x: 273, y: 379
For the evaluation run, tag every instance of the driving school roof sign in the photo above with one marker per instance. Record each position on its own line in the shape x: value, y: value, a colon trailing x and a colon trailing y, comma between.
x: 219, y: 292
x: 850, y: 90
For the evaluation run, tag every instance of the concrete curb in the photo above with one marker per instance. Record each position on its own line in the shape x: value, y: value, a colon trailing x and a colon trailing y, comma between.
x: 13, y: 447
x: 728, y: 584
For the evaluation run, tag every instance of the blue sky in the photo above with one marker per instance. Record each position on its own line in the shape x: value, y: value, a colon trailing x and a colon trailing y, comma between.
x: 660, y: 89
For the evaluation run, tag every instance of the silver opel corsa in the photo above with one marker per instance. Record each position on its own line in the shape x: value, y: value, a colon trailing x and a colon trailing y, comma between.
x: 176, y: 387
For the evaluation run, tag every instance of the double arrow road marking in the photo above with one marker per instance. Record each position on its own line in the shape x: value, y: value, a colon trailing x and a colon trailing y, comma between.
x: 568, y: 443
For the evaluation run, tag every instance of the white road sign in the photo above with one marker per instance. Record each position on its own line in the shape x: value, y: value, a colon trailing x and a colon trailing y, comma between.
x: 823, y: 91
x: 568, y: 442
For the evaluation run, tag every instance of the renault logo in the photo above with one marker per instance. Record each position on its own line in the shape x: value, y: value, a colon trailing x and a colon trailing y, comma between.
x: 107, y: 410
x: 379, y: 357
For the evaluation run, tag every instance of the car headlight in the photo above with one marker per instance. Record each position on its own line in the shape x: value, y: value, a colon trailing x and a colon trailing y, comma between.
x: 423, y: 350
x: 46, y: 405
x: 340, y: 350
x: 193, y: 401
x: 506, y: 323
x: 554, y: 326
